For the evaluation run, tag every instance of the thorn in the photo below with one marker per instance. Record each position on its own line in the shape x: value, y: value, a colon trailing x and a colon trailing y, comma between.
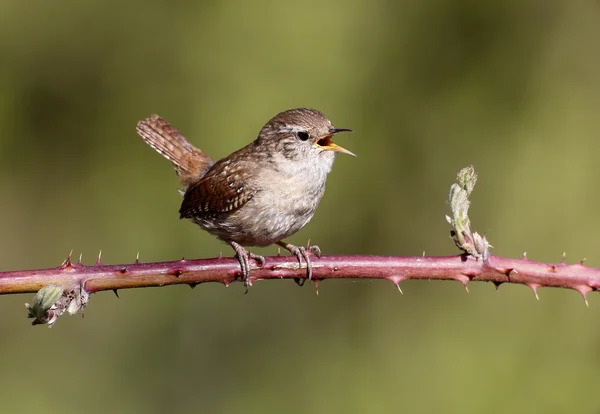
x: 67, y: 262
x: 278, y: 251
x: 396, y: 281
x: 221, y: 256
x: 80, y: 258
x: 582, y: 260
x: 562, y: 260
x: 99, y: 261
x: 464, y: 279
x: 137, y: 258
x: 192, y: 285
x: 116, y: 293
x: 123, y: 270
x: 584, y: 290
x: 534, y: 287
x: 553, y: 268
x: 317, y: 281
x: 423, y: 253
x: 175, y: 272
x: 497, y: 285
x: 525, y: 256
x: 506, y: 272
x: 308, y: 244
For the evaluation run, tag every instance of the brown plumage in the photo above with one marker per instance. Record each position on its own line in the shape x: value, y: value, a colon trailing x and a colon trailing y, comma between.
x: 260, y: 194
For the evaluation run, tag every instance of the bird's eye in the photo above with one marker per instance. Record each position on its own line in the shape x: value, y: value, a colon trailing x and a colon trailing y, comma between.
x: 302, y: 135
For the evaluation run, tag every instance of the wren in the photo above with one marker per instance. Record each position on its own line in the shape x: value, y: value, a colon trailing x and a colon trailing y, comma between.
x: 260, y: 194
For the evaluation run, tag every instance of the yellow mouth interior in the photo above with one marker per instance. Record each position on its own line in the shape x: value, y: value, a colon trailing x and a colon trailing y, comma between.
x: 328, y: 145
x: 326, y: 142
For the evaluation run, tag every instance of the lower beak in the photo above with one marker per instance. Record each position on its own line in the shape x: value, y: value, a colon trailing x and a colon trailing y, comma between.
x: 327, y: 143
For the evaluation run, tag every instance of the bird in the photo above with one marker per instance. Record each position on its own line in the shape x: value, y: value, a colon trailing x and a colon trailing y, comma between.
x: 260, y: 194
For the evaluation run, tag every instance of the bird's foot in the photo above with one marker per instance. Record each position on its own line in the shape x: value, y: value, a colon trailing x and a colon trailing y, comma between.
x: 315, y: 250
x: 302, y: 253
x: 244, y: 257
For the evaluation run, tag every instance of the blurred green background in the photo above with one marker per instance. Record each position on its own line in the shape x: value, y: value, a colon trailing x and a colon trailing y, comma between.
x: 429, y: 87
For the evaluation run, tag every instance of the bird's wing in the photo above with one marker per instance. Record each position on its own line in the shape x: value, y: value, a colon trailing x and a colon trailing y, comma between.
x: 223, y: 189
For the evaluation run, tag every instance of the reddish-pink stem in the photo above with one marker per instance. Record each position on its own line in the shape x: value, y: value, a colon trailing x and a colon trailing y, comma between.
x: 226, y: 270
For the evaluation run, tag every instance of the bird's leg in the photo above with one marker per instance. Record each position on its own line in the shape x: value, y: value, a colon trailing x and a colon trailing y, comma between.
x: 244, y: 257
x: 301, y: 253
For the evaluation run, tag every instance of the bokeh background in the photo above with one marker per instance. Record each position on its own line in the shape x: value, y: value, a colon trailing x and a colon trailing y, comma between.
x: 429, y: 87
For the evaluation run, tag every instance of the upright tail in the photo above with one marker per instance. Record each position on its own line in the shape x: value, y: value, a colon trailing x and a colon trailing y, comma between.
x: 190, y: 163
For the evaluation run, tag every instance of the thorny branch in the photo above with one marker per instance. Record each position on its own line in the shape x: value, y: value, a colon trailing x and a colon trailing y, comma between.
x: 67, y: 288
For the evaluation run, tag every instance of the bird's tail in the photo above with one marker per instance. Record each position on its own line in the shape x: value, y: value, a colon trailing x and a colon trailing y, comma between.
x: 190, y: 163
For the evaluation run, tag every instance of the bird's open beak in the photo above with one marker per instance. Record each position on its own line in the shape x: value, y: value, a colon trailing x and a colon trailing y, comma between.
x: 328, y: 145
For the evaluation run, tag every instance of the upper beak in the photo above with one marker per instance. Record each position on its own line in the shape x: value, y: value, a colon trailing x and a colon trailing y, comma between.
x: 328, y: 145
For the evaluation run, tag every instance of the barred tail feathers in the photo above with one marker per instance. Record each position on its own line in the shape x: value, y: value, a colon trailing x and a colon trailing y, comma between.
x: 190, y: 163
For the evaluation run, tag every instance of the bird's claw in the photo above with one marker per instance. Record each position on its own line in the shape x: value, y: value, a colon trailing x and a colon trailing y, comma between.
x: 244, y: 257
x: 260, y: 259
x: 302, y: 253
x: 315, y: 250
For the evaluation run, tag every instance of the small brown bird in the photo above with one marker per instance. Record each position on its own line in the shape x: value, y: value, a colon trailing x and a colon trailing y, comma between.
x: 260, y: 194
